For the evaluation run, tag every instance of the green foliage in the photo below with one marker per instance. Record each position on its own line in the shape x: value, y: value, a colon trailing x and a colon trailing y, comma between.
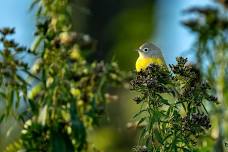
x: 66, y: 93
x: 13, y: 85
x: 16, y: 146
x: 210, y: 25
x: 174, y: 123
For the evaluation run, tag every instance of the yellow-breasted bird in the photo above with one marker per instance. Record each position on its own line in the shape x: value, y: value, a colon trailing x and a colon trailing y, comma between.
x: 148, y: 54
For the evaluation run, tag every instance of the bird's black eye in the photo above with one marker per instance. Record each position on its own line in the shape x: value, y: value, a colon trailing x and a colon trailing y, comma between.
x: 145, y: 49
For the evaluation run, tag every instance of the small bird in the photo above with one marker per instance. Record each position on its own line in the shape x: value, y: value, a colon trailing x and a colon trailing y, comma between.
x: 148, y: 54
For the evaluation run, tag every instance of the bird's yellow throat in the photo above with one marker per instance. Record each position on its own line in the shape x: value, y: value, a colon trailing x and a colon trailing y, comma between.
x: 143, y: 62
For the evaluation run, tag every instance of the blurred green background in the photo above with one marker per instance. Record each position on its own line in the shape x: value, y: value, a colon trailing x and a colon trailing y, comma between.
x: 119, y: 26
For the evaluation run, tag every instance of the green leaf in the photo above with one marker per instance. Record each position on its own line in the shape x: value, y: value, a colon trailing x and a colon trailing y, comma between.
x: 36, y: 43
x: 10, y: 102
x: 158, y: 136
x: 166, y: 138
x: 16, y: 146
x: 17, y: 102
x: 78, y: 128
x: 31, y: 75
x: 2, y: 116
x: 169, y: 111
x: 35, y: 91
x: 186, y: 149
x: 60, y: 141
x: 3, y: 95
x: 33, y: 106
x: 156, y: 116
x: 140, y: 112
x: 141, y: 121
x: 22, y: 81
x: 43, y: 115
x: 164, y: 101
x: 143, y: 133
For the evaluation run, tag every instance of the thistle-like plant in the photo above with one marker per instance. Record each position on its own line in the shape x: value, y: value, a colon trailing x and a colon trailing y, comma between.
x: 64, y: 94
x: 172, y: 116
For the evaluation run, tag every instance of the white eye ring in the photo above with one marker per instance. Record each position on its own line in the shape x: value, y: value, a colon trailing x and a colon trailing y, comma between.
x: 145, y: 49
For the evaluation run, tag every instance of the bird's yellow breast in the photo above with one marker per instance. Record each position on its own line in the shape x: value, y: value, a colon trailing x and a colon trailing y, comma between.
x: 143, y: 62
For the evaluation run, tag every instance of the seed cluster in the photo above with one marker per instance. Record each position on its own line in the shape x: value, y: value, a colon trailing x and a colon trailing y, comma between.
x: 196, y: 123
x: 187, y: 92
x: 155, y: 78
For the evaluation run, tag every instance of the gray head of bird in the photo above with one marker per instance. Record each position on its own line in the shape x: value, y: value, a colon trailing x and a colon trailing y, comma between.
x: 149, y: 50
